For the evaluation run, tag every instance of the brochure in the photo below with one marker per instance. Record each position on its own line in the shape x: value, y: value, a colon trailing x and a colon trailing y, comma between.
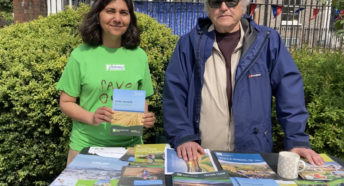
x: 129, y: 106
x: 152, y: 155
x: 142, y: 176
x: 237, y: 181
x: 129, y: 155
x: 113, y: 182
x: 112, y: 152
x: 210, y: 178
x: 89, y: 168
x: 244, y: 165
x: 203, y: 164
x: 329, y: 171
x: 336, y: 182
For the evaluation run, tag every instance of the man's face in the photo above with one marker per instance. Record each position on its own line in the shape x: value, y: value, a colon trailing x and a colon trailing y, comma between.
x: 225, y: 14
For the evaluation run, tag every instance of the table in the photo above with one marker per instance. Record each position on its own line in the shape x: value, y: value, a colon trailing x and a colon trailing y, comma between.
x: 270, y: 158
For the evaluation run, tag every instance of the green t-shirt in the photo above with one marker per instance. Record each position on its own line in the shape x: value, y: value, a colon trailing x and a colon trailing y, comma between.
x: 91, y: 74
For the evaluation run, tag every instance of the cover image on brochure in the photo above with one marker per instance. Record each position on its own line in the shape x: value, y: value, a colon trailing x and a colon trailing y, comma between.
x: 329, y: 171
x: 88, y: 169
x: 173, y: 164
x: 142, y: 176
x: 129, y: 106
x: 152, y: 155
x: 244, y: 165
x: 129, y: 155
x: 210, y: 178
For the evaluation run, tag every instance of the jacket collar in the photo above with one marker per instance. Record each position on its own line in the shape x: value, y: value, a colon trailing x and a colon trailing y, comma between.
x: 250, y: 29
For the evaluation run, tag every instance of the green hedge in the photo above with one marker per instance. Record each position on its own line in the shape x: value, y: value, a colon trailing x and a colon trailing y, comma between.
x: 34, y: 135
x: 323, y: 76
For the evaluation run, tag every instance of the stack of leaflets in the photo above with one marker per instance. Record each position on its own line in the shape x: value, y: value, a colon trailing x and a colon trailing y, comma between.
x: 113, y: 152
x: 129, y: 155
x: 91, y: 170
x: 238, y: 181
x: 129, y: 106
x: 149, y: 155
x: 210, y: 178
x: 142, y: 176
x: 204, y: 163
x: 244, y: 165
x: 329, y: 171
x: 218, y: 178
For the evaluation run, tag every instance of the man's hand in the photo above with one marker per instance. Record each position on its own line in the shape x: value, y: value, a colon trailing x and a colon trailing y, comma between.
x: 148, y: 119
x: 189, y: 150
x: 311, y: 156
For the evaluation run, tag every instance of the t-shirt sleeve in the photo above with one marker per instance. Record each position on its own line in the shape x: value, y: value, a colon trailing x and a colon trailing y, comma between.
x: 70, y: 80
x: 146, y: 83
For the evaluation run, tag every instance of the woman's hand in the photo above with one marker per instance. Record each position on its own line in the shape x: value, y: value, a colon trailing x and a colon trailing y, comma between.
x: 102, y: 115
x: 148, y: 119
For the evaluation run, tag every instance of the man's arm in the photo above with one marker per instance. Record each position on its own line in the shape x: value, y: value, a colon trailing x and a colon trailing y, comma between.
x: 291, y: 111
x: 178, y: 125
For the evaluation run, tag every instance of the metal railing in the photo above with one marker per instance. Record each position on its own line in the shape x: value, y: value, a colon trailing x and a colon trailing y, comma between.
x: 300, y: 22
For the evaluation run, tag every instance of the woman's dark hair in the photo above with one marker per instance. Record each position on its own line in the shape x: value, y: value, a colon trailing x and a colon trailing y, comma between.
x: 91, y: 31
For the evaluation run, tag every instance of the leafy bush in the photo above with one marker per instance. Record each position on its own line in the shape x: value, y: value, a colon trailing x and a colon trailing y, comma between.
x: 323, y: 78
x: 6, y: 5
x: 34, y: 135
x: 6, y: 18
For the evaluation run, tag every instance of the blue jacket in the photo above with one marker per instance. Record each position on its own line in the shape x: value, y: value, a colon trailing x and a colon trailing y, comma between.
x: 265, y: 69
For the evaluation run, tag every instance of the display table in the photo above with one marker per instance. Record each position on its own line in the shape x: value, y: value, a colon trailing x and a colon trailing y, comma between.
x: 270, y: 158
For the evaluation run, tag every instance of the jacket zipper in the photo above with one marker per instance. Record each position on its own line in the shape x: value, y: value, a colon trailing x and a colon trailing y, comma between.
x: 252, y: 62
x: 198, y: 62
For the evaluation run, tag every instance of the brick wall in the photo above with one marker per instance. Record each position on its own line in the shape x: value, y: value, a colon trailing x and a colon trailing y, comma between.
x: 26, y: 10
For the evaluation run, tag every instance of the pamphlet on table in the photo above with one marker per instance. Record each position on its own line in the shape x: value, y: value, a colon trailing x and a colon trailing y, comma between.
x: 244, y: 165
x: 142, y: 176
x: 329, y: 171
x: 203, y: 163
x: 90, y: 168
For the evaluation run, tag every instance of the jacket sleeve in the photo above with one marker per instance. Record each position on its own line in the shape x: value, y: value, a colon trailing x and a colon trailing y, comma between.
x: 178, y: 125
x: 287, y: 87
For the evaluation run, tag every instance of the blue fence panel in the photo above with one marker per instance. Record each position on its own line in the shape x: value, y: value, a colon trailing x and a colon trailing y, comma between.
x: 181, y: 17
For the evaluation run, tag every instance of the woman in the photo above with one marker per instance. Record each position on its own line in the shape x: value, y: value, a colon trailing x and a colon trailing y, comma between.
x: 109, y: 59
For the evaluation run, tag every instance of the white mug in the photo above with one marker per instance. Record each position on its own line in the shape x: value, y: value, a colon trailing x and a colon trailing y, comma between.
x: 289, y: 165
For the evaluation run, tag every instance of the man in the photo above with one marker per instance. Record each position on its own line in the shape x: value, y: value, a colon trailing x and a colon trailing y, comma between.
x: 219, y: 86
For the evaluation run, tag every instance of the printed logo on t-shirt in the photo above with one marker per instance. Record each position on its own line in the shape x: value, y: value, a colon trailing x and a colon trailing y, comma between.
x: 117, y: 67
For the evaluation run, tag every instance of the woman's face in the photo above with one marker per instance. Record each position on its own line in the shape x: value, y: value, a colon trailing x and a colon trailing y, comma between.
x: 114, y: 20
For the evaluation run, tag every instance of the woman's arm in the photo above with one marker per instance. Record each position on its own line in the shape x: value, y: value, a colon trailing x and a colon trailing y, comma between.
x: 69, y: 106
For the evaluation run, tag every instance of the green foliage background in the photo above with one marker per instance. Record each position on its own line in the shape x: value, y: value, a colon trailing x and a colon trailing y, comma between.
x: 34, y: 135
x: 323, y: 78
x: 6, y: 5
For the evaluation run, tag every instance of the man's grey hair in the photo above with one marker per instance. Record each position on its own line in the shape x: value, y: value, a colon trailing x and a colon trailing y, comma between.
x: 244, y: 4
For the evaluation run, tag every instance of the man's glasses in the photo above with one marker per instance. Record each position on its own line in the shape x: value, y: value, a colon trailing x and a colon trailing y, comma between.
x: 218, y: 3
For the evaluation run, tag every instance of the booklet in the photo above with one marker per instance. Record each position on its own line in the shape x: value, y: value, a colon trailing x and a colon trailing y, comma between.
x: 129, y: 155
x: 336, y: 182
x: 329, y: 171
x: 90, y: 168
x: 112, y: 152
x: 210, y: 178
x: 142, y: 176
x: 244, y: 165
x: 151, y: 155
x: 238, y: 181
x: 129, y: 106
x: 113, y: 182
x: 173, y: 164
